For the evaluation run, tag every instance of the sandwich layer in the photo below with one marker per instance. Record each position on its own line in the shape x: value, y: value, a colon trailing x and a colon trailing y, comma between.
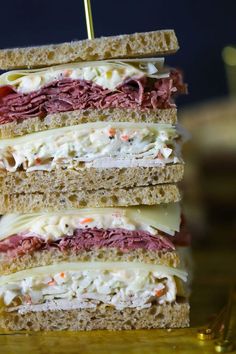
x: 175, y: 315
x: 153, y: 220
x: 109, y: 74
x: 99, y: 145
x: 34, y: 202
x: 69, y: 118
x: 82, y: 285
x: 152, y: 234
x: 122, y: 46
x: 85, y: 239
x: 132, y: 90
x: 64, y: 180
x: 144, y: 234
x: 138, y: 93
x: 75, y: 287
x: 53, y: 255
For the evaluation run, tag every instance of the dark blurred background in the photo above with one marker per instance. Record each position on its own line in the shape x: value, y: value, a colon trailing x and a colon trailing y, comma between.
x: 203, y: 27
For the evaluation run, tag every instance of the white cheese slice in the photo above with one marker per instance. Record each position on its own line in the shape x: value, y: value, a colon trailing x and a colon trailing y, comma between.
x: 54, y: 225
x: 47, y: 135
x: 163, y: 217
x: 107, y: 73
x: 53, y: 269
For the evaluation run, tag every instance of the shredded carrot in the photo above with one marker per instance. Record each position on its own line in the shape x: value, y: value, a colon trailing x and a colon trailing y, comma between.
x: 86, y: 220
x: 52, y: 282
x: 62, y: 275
x: 38, y: 161
x: 160, y: 292
x: 159, y: 155
x: 112, y: 132
x: 67, y: 72
x: 124, y: 137
x: 27, y: 299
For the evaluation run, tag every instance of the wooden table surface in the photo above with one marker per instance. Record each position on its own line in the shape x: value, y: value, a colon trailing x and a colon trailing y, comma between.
x: 213, y: 274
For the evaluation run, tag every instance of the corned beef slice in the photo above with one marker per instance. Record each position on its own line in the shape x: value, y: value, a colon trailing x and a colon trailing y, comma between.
x: 68, y: 95
x: 86, y: 239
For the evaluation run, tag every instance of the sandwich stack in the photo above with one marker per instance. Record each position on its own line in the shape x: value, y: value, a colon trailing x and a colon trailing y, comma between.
x: 91, y: 233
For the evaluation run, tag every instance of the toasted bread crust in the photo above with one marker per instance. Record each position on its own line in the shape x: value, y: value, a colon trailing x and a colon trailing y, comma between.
x: 122, y: 46
x: 53, y: 256
x: 89, y: 179
x: 34, y: 202
x: 64, y: 119
x: 174, y: 315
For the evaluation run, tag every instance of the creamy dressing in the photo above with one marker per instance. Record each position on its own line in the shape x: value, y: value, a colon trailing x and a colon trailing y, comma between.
x: 108, y: 74
x: 54, y: 225
x: 120, y: 288
x: 92, y: 145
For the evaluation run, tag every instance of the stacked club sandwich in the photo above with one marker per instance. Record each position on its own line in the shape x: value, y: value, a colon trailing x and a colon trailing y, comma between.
x: 91, y: 235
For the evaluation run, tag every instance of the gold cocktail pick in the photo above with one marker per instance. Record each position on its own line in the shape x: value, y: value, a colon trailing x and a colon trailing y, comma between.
x: 219, y: 327
x: 89, y: 19
x: 225, y: 343
x: 213, y: 329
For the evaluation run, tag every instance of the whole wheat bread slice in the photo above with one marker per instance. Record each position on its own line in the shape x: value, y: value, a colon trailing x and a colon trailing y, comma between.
x: 61, y: 180
x: 63, y: 119
x: 34, y: 202
x: 54, y: 256
x: 172, y: 315
x: 153, y: 43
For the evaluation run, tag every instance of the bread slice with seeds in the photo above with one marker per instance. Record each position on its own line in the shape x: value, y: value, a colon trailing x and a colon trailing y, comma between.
x: 54, y: 255
x: 63, y: 180
x: 170, y: 315
x: 65, y: 119
x: 34, y: 202
x: 135, y: 45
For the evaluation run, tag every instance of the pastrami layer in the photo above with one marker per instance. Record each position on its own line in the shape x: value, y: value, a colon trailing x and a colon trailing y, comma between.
x: 87, y: 239
x: 69, y: 95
